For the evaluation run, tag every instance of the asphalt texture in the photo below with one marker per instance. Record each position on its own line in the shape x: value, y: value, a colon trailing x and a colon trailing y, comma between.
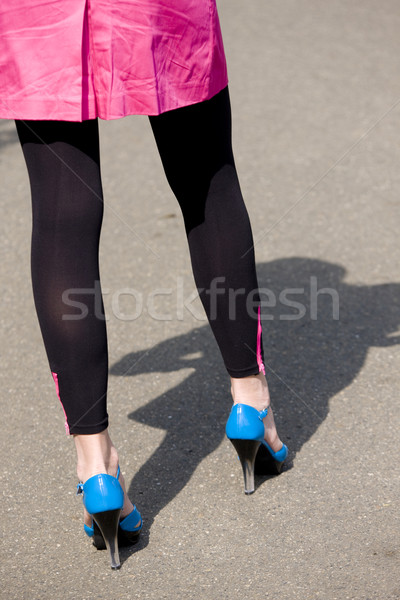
x: 315, y: 91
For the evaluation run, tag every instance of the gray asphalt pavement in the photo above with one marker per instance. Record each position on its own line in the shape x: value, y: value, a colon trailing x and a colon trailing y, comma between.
x: 315, y: 90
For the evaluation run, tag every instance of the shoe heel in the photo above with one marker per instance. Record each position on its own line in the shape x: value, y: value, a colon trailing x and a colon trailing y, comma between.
x: 107, y: 522
x: 103, y: 498
x: 247, y: 451
x: 245, y: 429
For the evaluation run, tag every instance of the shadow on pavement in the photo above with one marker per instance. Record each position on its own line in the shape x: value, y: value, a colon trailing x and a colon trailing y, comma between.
x: 308, y: 361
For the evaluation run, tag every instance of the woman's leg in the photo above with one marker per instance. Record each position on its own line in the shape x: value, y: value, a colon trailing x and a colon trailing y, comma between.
x: 67, y: 211
x: 67, y: 206
x: 195, y: 147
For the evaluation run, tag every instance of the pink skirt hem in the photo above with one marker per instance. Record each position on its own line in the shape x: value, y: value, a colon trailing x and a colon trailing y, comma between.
x: 75, y: 60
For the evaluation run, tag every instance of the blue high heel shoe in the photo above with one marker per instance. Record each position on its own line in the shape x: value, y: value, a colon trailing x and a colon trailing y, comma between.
x: 103, y: 498
x: 245, y: 429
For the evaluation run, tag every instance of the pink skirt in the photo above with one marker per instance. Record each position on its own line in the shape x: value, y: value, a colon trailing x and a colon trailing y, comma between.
x: 74, y: 60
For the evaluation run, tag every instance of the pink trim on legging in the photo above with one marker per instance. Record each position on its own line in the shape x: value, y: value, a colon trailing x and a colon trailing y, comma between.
x: 55, y: 377
x: 259, y: 355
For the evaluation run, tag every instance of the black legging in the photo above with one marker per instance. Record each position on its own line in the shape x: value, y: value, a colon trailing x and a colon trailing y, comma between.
x: 64, y: 169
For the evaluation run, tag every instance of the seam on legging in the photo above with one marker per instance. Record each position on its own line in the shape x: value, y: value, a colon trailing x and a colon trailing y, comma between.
x: 259, y: 354
x: 55, y: 377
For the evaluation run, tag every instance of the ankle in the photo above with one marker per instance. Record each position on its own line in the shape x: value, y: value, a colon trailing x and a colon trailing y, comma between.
x: 96, y: 454
x: 252, y: 391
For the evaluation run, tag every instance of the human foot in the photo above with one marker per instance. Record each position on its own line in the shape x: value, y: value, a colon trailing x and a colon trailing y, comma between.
x: 97, y: 454
x: 254, y: 392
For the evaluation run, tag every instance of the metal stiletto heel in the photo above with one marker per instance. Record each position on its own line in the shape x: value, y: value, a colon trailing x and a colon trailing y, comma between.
x: 129, y: 528
x: 247, y: 451
x: 107, y: 522
x: 103, y: 498
x: 245, y: 429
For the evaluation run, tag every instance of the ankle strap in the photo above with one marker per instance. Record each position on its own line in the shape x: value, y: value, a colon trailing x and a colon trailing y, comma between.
x: 263, y: 413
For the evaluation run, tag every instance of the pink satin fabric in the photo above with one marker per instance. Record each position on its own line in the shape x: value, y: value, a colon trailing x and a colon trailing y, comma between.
x: 74, y: 60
